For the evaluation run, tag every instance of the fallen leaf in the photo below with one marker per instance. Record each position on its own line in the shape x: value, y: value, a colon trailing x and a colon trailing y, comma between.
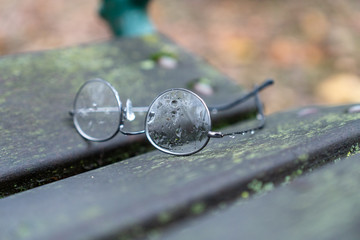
x: 286, y: 51
x: 339, y: 89
x: 241, y: 49
x: 314, y: 24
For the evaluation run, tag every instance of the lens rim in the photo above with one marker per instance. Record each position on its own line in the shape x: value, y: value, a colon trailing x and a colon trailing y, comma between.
x: 166, y: 150
x: 116, y: 95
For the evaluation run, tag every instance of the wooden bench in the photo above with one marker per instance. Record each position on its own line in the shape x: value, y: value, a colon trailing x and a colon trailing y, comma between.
x: 68, y: 188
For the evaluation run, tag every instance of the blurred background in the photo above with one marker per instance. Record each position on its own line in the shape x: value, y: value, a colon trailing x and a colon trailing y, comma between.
x: 311, y: 48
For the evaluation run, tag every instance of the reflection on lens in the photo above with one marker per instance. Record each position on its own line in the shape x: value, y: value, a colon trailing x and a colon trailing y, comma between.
x: 97, y: 110
x: 178, y: 122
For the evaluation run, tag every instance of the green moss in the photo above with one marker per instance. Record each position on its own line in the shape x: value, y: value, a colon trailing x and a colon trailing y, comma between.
x: 23, y: 231
x: 147, y: 64
x: 151, y: 39
x: 268, y: 187
x: 198, y: 208
x: 355, y: 149
x: 255, y: 185
x: 164, y: 217
x: 91, y: 212
x: 245, y: 194
x: 166, y: 52
x: 303, y: 157
x: 154, y: 234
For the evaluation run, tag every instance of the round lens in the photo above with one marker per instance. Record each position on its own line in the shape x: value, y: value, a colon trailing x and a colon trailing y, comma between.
x: 178, y: 122
x: 97, y: 110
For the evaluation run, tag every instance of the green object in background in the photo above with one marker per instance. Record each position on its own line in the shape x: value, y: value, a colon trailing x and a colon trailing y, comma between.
x: 127, y: 17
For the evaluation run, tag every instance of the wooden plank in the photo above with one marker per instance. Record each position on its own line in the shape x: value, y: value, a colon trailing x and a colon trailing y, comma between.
x: 155, y: 189
x: 38, y: 142
x: 322, y: 205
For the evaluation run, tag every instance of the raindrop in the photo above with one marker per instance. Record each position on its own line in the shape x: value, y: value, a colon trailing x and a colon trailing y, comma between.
x: 168, y: 62
x: 174, y: 103
x: 184, y: 127
x: 159, y: 105
x: 202, y: 115
x: 83, y: 113
x: 204, y: 89
x: 151, y: 118
x: 354, y: 109
x: 252, y: 132
x: 178, y: 132
x: 307, y: 111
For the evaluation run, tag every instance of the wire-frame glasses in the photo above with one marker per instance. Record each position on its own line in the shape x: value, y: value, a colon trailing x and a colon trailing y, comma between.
x: 177, y: 122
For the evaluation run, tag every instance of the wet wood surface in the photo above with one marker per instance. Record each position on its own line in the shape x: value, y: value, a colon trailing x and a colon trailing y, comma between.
x: 324, y: 204
x: 39, y: 143
x: 155, y: 195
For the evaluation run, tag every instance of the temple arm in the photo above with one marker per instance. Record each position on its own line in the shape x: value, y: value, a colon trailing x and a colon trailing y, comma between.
x: 241, y: 99
x: 260, y: 116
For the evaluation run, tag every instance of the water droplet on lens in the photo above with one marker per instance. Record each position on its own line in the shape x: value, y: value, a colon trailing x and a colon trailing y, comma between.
x: 202, y: 114
x: 178, y: 132
x: 83, y: 113
x: 182, y: 125
x: 174, y: 103
x: 151, y: 118
x: 159, y: 105
x: 252, y: 132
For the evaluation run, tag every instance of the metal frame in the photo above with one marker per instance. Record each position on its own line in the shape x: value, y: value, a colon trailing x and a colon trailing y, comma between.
x: 211, y: 134
x: 163, y: 149
x: 73, y: 113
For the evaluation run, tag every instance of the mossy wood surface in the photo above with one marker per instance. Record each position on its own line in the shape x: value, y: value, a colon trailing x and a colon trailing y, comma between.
x: 146, y: 194
x: 322, y: 205
x: 38, y: 140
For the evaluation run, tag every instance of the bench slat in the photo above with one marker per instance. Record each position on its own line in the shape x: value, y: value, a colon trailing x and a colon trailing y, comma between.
x: 322, y: 205
x: 38, y: 141
x: 154, y: 189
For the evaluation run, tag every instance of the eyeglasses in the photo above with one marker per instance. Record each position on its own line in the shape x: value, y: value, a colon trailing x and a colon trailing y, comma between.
x: 177, y: 122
